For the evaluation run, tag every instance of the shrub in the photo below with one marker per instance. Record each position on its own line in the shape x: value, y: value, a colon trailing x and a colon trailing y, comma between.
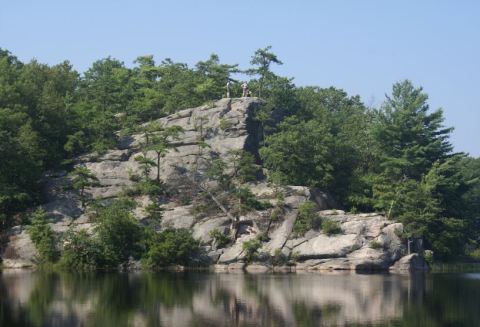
x: 475, y: 254
x: 119, y: 234
x: 133, y: 177
x: 247, y: 169
x: 248, y: 200
x: 353, y: 210
x: 220, y: 238
x: 151, y: 188
x: 225, y: 124
x: 331, y: 227
x: 375, y: 245
x: 276, y: 213
x: 172, y: 246
x: 429, y: 257
x: 80, y: 252
x: 251, y: 249
x: 279, y: 259
x: 154, y: 212
x: 306, y: 219
x: 42, y: 236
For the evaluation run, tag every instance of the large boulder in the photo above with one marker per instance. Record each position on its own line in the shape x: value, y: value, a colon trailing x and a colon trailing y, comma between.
x: 235, y: 252
x: 20, y: 252
x: 179, y: 217
x: 202, y: 229
x: 324, y: 246
x: 410, y: 263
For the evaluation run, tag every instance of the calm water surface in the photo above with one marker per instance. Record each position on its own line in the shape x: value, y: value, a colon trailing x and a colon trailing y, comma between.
x: 202, y: 299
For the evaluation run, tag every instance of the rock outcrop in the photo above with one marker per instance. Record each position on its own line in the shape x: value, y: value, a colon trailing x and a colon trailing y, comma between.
x: 410, y: 263
x: 363, y: 241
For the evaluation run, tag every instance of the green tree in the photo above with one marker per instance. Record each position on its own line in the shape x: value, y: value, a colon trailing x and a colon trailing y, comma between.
x: 80, y: 252
x: 162, y: 142
x: 171, y: 246
x: 300, y: 153
x: 42, y: 236
x: 145, y: 164
x: 263, y: 59
x: 411, y: 139
x: 119, y: 234
x: 244, y: 168
x: 306, y: 219
x: 214, y: 77
x: 83, y: 177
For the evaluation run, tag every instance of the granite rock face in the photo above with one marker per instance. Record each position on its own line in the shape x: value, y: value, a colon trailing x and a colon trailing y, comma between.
x: 364, y: 241
x: 410, y: 263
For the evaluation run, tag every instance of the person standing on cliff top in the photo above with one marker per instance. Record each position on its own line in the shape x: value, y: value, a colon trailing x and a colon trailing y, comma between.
x: 229, y: 85
x: 245, y: 89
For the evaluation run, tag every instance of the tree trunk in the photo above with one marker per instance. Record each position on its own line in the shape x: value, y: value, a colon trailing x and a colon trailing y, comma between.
x: 82, y: 199
x: 233, y: 219
x: 158, y: 167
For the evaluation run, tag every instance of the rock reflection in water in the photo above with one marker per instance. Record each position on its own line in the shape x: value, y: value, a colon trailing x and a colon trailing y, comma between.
x: 147, y: 299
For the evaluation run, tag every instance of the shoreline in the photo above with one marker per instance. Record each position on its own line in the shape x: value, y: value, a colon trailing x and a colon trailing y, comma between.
x: 257, y: 268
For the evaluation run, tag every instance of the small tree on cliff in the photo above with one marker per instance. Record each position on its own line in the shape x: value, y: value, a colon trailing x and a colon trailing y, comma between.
x: 262, y: 59
x: 161, y: 143
x: 145, y: 164
x: 83, y: 177
x: 243, y: 165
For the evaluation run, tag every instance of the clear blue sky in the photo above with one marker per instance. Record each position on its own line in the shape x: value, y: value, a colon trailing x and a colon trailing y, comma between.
x: 362, y: 47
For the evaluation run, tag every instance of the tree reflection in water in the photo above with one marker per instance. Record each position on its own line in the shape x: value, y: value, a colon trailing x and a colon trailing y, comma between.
x: 196, y: 299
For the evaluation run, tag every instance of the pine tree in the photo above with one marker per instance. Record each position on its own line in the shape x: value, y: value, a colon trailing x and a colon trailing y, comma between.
x: 411, y: 138
x: 83, y: 177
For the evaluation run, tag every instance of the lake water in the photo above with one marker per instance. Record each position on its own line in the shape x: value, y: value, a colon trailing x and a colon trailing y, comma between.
x: 204, y: 299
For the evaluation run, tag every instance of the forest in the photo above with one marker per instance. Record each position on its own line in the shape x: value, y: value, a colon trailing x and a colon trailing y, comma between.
x: 396, y: 158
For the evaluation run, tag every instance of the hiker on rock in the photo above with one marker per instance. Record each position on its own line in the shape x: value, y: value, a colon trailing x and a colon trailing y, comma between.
x: 245, y: 89
x: 229, y: 85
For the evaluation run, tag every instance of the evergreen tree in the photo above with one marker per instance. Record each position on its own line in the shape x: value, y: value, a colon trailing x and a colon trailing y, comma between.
x: 263, y: 59
x: 410, y: 137
x: 83, y: 177
x: 161, y: 142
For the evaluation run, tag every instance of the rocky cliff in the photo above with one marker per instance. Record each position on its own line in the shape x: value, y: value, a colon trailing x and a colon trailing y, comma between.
x: 362, y: 241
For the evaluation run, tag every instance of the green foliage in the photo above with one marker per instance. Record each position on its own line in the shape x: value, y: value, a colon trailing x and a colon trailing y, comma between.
x: 288, y: 154
x: 251, y: 248
x: 262, y: 59
x: 375, y: 245
x: 306, y: 219
x: 475, y: 254
x: 247, y: 201
x: 224, y: 124
x: 80, y: 252
x: 171, y: 246
x: 161, y: 141
x: 82, y: 177
x: 326, y: 143
x: 410, y: 138
x: 155, y: 213
x: 145, y: 165
x: 331, y: 227
x: 247, y: 170
x: 149, y: 187
x: 216, y: 170
x: 219, y: 238
x: 119, y: 234
x: 42, y: 236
